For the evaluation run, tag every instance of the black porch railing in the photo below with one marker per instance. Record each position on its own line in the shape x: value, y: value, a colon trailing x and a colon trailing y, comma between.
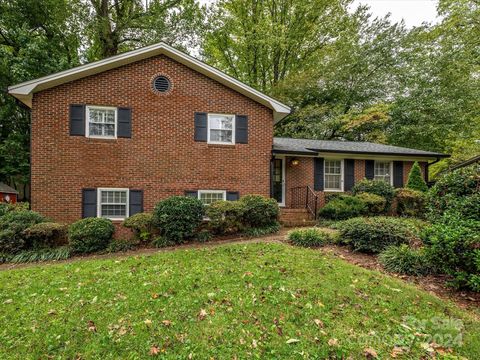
x: 303, y: 197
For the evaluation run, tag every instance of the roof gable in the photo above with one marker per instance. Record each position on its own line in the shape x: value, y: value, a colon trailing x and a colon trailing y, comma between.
x: 24, y: 91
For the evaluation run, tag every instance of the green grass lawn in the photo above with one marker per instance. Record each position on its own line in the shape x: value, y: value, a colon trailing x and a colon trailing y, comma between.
x: 243, y: 300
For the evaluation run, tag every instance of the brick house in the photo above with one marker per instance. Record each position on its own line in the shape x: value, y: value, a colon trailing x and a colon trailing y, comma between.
x: 113, y: 137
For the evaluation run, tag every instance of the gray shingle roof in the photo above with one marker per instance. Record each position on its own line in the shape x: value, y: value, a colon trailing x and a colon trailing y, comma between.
x: 306, y: 146
x: 4, y: 188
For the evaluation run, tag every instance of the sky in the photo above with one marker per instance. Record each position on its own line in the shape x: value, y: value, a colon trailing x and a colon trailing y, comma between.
x: 413, y: 12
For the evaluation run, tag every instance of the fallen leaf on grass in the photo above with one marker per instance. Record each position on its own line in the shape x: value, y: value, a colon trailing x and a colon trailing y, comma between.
x: 292, y: 341
x: 319, y: 323
x: 202, y: 314
x: 396, y: 351
x: 91, y: 326
x: 154, y: 350
x: 370, y: 353
x: 148, y: 322
x: 52, y: 312
x: 166, y: 322
x: 8, y: 301
x: 333, y: 342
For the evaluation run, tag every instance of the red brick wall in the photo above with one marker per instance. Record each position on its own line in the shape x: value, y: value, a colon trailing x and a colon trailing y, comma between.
x: 161, y: 157
x: 302, y: 175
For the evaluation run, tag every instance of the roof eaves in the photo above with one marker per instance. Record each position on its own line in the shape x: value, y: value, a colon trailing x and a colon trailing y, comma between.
x: 438, y: 155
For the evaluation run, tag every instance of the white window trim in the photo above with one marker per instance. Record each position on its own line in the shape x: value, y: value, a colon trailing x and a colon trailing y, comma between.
x: 342, y: 174
x: 390, y: 167
x: 234, y: 119
x: 224, y: 193
x: 87, y: 121
x: 99, y: 203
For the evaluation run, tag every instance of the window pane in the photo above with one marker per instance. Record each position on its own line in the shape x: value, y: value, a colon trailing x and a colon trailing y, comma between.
x: 221, y: 128
x: 101, y: 122
x: 333, y: 182
x: 221, y: 135
x: 113, y: 203
x: 382, y: 171
x: 208, y: 198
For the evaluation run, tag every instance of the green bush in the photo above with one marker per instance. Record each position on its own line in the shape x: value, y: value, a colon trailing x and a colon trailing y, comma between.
x: 178, y: 217
x: 203, y: 236
x: 454, y: 244
x: 259, y: 211
x: 47, y: 234
x: 410, y: 203
x: 225, y: 217
x: 308, y: 237
x: 415, y: 179
x: 375, y: 234
x: 374, y: 204
x: 161, y: 242
x: 19, y: 206
x: 380, y: 188
x: 141, y: 224
x: 262, y: 231
x: 404, y: 260
x: 12, y: 225
x: 343, y: 207
x: 90, y: 234
x: 457, y: 192
x: 121, y: 245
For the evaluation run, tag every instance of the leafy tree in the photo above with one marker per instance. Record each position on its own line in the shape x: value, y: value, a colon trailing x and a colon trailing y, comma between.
x: 415, y: 179
x: 261, y: 42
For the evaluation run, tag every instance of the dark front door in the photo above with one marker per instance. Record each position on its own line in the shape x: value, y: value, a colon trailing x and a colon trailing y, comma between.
x: 279, y: 181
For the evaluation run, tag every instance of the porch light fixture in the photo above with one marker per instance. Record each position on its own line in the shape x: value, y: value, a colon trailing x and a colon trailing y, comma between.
x: 294, y: 162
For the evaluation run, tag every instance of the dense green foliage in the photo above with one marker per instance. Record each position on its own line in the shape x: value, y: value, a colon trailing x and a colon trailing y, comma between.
x: 308, y: 237
x: 141, y: 225
x: 226, y: 217
x: 259, y: 211
x: 178, y: 217
x: 415, y: 179
x: 380, y: 188
x: 375, y: 234
x: 374, y: 204
x: 45, y: 254
x: 410, y: 203
x: 403, y: 259
x: 254, y: 297
x: 47, y: 234
x: 12, y: 226
x: 90, y: 234
x: 343, y: 207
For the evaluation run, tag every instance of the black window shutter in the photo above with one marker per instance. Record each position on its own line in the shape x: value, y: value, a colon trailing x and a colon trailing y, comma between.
x: 349, y: 176
x: 191, y: 193
x: 77, y: 120
x: 135, y: 202
x: 89, y: 203
x: 124, y: 129
x: 233, y: 195
x: 369, y: 169
x: 200, y: 127
x: 398, y: 174
x: 318, y: 174
x: 241, y: 129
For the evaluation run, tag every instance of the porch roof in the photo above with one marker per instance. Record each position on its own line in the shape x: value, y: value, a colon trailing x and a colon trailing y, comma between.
x: 313, y: 147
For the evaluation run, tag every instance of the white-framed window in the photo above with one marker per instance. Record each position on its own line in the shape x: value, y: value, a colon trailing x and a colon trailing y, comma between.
x: 333, y: 175
x: 208, y: 197
x: 101, y: 122
x: 221, y: 129
x: 112, y: 203
x: 382, y: 171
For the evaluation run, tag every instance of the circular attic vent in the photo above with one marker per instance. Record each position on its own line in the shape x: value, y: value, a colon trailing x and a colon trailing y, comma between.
x: 161, y: 84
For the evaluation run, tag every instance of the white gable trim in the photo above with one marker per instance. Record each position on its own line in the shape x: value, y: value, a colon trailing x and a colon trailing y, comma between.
x: 24, y: 91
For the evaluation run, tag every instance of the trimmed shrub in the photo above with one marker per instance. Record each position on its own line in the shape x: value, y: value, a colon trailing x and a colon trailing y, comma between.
x: 457, y: 192
x: 161, y: 242
x: 415, y: 179
x: 178, y: 217
x: 19, y: 206
x: 374, y: 204
x: 375, y: 234
x: 47, y: 234
x: 410, y: 202
x: 225, y: 217
x: 454, y: 244
x: 259, y: 211
x: 380, y: 188
x: 12, y: 225
x: 403, y: 259
x: 141, y: 224
x: 343, y: 207
x: 203, y: 236
x: 266, y: 230
x: 90, y: 234
x: 121, y: 245
x: 308, y: 237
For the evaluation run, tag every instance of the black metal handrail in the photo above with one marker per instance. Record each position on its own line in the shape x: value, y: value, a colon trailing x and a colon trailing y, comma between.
x: 303, y: 197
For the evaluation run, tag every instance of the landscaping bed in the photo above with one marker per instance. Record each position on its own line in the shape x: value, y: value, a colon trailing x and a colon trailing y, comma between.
x: 237, y: 300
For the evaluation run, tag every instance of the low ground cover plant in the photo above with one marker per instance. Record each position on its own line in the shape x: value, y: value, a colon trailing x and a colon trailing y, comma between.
x: 403, y: 259
x: 375, y: 234
x: 311, y: 237
x: 90, y: 234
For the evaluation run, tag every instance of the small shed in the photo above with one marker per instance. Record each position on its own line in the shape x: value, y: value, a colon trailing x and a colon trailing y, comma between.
x: 8, y: 194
